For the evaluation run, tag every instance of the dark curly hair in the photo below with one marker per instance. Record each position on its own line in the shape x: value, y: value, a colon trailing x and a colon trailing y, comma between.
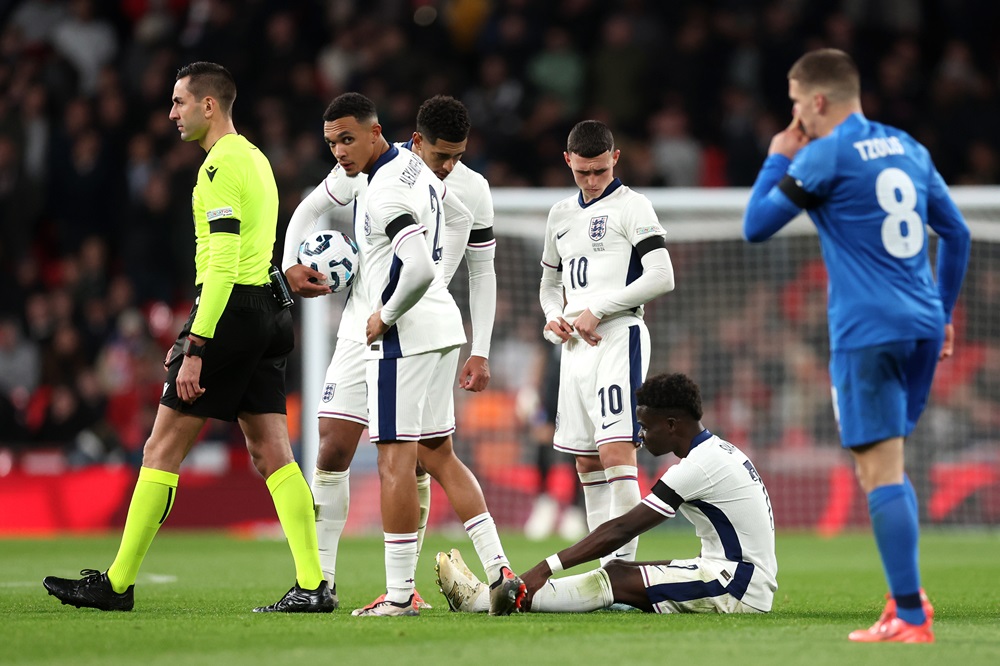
x: 443, y: 117
x: 590, y: 138
x: 353, y: 105
x: 210, y: 79
x: 674, y: 392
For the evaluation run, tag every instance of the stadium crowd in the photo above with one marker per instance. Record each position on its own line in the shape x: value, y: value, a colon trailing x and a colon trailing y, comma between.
x: 95, y: 238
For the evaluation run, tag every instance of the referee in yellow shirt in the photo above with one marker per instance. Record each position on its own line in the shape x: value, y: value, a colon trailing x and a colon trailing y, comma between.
x: 228, y: 362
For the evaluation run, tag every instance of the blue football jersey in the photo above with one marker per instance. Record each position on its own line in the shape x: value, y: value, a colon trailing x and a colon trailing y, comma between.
x: 870, y: 189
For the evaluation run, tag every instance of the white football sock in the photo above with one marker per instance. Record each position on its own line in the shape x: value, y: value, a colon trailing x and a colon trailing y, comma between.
x: 574, y: 594
x: 482, y: 602
x: 483, y: 532
x: 332, y: 496
x: 623, y: 480
x: 424, y: 498
x: 596, y: 497
x: 400, y: 565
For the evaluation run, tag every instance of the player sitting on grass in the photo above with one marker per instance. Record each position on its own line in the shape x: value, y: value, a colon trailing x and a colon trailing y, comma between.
x: 715, y: 486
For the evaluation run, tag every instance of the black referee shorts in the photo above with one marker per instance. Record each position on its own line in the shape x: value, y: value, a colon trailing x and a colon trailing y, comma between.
x: 243, y: 369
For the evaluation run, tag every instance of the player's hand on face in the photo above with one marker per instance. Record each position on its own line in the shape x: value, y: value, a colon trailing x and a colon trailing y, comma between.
x: 188, y: 381
x: 559, y: 329
x: 298, y: 279
x: 375, y: 327
x: 586, y: 326
x: 948, y: 347
x: 789, y: 141
x: 475, y: 374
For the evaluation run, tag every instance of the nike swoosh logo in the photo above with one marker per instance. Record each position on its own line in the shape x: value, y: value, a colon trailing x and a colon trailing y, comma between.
x: 558, y: 236
x: 621, y: 554
x: 605, y: 426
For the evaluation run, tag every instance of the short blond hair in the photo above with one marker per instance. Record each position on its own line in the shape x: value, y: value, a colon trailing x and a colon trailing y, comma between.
x: 830, y: 70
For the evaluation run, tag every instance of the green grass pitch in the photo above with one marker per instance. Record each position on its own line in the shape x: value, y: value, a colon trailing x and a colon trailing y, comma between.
x: 195, y: 593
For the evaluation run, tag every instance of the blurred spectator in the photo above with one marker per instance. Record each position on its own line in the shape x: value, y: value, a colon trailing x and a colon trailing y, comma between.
x: 87, y: 41
x: 559, y: 70
x: 619, y: 74
x: 676, y: 154
x: 281, y: 50
x: 781, y: 43
x: 982, y: 164
x: 36, y: 20
x: 66, y: 416
x: 140, y: 166
x: 65, y: 357
x: 336, y: 62
x: 142, y: 245
x: 496, y: 106
x: 12, y: 235
x: 739, y: 136
x: 20, y: 364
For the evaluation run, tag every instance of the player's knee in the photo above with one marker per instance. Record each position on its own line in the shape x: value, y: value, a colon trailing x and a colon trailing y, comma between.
x: 333, y: 456
x: 337, y: 447
x: 440, y: 465
x: 587, y: 464
x: 158, y: 453
x: 613, y: 454
x: 616, y: 568
x: 268, y: 456
x: 621, y: 572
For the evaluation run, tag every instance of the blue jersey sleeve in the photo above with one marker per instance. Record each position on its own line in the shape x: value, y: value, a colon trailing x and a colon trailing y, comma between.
x: 944, y: 217
x: 769, y: 209
x: 814, y: 169
x: 784, y: 188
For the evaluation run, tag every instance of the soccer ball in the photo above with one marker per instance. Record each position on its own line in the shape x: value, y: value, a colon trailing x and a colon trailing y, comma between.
x: 333, y: 253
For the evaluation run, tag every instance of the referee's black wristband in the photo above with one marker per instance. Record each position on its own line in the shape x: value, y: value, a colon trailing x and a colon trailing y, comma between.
x: 189, y: 348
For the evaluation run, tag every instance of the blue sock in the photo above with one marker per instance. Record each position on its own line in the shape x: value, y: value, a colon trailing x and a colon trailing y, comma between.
x: 911, y: 495
x: 893, y: 511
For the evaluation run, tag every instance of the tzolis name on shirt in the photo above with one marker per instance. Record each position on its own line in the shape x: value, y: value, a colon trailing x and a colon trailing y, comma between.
x: 871, y: 149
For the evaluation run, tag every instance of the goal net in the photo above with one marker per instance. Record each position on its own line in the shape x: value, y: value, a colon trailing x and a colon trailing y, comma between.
x: 748, y: 323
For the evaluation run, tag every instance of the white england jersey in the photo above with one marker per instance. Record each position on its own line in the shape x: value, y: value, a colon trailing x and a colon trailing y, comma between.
x: 344, y: 190
x: 473, y: 191
x: 718, y: 489
x: 401, y: 184
x: 594, y: 244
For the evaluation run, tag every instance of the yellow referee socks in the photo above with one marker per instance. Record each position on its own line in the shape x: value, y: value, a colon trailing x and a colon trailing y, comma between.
x: 152, y: 499
x: 294, y: 504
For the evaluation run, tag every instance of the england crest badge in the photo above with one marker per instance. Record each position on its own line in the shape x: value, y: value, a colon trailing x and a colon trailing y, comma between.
x: 598, y: 227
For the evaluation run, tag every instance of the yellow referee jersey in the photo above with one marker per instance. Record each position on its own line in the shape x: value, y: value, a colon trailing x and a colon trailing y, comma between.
x: 235, y: 208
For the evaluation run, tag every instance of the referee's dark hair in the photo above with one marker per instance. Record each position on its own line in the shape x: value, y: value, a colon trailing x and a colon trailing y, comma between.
x: 209, y: 79
x: 676, y: 392
x: 443, y: 117
x: 590, y: 138
x: 354, y: 105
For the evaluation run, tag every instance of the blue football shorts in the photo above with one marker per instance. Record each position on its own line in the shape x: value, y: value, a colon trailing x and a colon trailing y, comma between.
x: 879, y: 392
